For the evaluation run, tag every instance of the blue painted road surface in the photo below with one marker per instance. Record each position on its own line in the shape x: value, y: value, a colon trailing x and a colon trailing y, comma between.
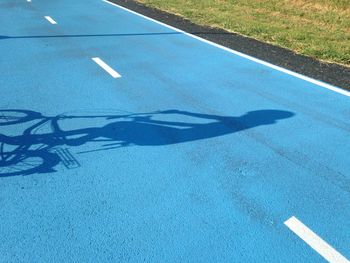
x: 164, y: 149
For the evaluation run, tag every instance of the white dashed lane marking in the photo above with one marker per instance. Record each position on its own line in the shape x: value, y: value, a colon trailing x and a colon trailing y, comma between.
x: 107, y: 68
x: 314, y: 241
x: 48, y: 18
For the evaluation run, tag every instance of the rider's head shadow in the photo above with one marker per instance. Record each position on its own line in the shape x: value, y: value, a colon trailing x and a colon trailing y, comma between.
x: 140, y: 129
x: 264, y: 117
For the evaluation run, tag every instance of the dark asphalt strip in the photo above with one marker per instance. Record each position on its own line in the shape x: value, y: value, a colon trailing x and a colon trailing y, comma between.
x: 328, y: 72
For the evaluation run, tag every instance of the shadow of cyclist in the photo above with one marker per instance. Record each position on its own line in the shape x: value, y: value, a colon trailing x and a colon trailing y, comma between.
x: 146, y: 131
x: 134, y: 129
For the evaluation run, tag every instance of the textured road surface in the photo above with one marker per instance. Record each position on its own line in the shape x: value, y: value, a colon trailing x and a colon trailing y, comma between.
x: 194, y: 155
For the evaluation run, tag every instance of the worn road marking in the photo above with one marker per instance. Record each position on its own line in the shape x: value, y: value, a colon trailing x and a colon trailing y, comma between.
x: 107, y: 68
x: 51, y: 20
x: 314, y: 241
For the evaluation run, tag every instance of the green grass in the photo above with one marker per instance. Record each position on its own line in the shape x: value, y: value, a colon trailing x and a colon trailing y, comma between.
x: 316, y: 28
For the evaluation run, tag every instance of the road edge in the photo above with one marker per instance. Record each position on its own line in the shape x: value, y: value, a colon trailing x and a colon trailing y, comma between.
x: 331, y: 73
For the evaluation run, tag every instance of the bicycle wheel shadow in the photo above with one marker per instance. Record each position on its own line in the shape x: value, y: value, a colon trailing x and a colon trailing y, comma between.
x: 34, y: 153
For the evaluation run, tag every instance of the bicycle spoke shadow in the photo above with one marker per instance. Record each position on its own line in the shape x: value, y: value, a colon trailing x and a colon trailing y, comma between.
x: 33, y: 152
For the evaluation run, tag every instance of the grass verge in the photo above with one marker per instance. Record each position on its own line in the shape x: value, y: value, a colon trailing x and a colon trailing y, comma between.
x: 315, y: 28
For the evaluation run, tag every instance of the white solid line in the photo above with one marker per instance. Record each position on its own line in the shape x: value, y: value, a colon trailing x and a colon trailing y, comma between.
x: 267, y: 64
x: 51, y: 20
x: 314, y: 241
x: 107, y: 68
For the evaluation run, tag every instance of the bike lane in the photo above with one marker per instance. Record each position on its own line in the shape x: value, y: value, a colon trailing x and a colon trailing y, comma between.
x: 220, y: 198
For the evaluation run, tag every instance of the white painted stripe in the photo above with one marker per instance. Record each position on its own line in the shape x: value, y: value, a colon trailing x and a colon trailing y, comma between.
x: 287, y: 71
x: 314, y: 241
x: 51, y: 20
x: 107, y: 68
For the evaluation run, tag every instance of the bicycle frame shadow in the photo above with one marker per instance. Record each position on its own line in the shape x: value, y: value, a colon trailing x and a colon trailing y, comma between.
x: 33, y: 152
